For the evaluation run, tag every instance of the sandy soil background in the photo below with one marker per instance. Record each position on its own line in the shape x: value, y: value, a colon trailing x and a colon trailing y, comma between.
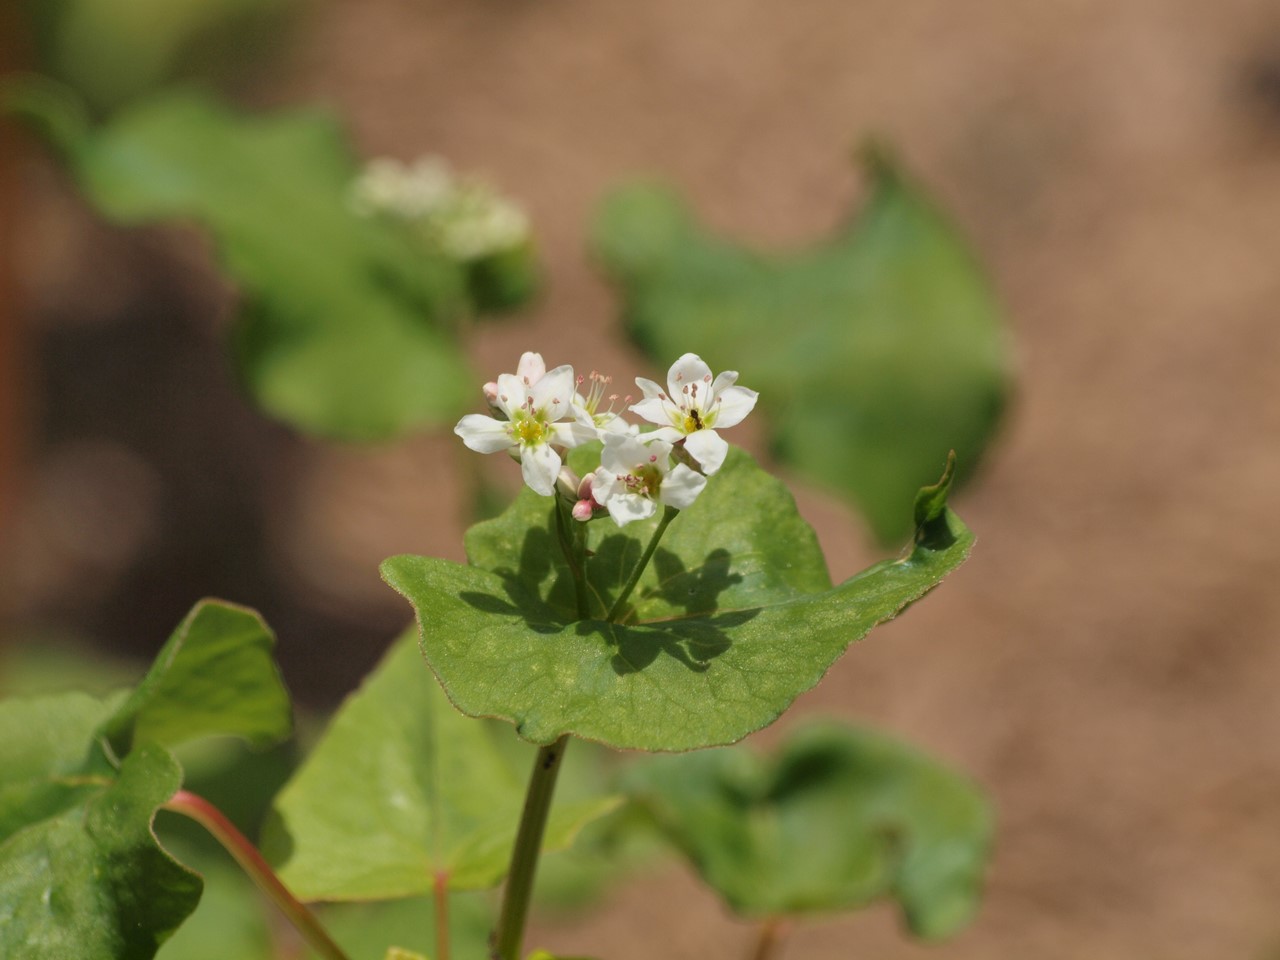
x: 1107, y: 663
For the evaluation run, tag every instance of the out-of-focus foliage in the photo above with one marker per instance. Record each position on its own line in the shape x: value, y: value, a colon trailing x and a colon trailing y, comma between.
x: 700, y: 659
x: 403, y: 792
x: 347, y: 326
x: 875, y: 352
x: 113, y: 51
x: 837, y: 818
x: 235, y: 922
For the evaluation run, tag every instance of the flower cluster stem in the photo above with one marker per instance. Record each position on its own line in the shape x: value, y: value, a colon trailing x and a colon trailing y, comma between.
x: 252, y: 862
x: 619, y: 605
x: 573, y: 557
x: 509, y: 935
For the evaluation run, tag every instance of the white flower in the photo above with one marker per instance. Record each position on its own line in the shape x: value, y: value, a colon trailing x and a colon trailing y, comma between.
x: 530, y: 369
x: 635, y: 476
x: 530, y: 431
x: 411, y: 192
x: 693, y: 406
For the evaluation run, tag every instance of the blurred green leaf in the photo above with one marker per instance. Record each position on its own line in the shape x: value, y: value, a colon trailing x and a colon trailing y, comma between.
x: 364, y: 930
x: 733, y: 620
x: 92, y: 883
x: 112, y: 51
x: 215, y: 676
x: 874, y: 353
x: 837, y: 818
x: 403, y: 789
x: 344, y: 329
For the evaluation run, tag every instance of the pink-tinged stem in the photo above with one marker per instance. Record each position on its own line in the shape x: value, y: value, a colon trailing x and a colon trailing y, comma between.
x: 770, y: 939
x: 252, y: 862
x: 441, y: 886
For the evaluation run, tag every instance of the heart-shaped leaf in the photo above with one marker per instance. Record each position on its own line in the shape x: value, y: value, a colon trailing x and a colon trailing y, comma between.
x: 215, y: 676
x: 404, y: 791
x: 732, y: 622
x: 874, y: 353
x: 91, y: 883
x: 345, y: 326
x: 837, y: 818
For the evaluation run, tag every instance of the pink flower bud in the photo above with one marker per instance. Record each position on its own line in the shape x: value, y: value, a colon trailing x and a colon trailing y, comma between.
x: 584, y: 510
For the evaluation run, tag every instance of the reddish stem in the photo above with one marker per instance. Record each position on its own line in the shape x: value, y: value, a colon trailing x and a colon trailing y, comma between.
x: 442, y: 915
x: 252, y: 862
x: 771, y: 933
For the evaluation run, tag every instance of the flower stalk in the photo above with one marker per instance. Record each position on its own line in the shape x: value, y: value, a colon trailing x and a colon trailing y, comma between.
x: 620, y: 605
x: 508, y: 937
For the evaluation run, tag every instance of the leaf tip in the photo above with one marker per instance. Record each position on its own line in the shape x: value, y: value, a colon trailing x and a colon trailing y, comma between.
x: 932, y: 529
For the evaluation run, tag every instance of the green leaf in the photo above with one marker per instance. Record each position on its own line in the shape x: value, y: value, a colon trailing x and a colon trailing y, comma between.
x: 403, y: 789
x: 874, y: 353
x: 364, y: 930
x: 215, y: 676
x: 734, y: 620
x: 838, y: 818
x: 344, y: 329
x: 48, y: 755
x: 92, y: 883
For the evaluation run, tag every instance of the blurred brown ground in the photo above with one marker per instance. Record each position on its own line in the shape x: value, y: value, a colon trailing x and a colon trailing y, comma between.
x: 1107, y: 663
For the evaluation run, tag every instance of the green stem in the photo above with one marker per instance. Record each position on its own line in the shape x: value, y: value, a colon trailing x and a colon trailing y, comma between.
x: 619, y: 605
x: 572, y: 558
x: 246, y: 854
x: 508, y: 937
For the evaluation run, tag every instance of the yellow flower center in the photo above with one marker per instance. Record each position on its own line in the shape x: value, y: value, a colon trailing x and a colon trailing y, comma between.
x: 529, y: 431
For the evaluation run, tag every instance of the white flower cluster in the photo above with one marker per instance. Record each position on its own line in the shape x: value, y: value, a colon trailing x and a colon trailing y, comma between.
x: 466, y: 219
x: 541, y: 413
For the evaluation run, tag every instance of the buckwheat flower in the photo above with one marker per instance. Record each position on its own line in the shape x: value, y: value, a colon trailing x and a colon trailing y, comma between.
x: 693, y: 406
x: 587, y: 408
x: 530, y: 431
x: 636, y: 475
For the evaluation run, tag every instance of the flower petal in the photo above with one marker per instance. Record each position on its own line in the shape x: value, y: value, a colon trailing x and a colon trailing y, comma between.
x: 724, y: 380
x: 553, y: 393
x: 630, y: 506
x: 651, y: 390
x: 653, y: 410
x: 685, y: 371
x: 531, y: 367
x: 621, y: 453
x: 540, y: 465
x: 669, y: 434
x: 681, y: 487
x: 512, y: 393
x: 484, y: 434
x: 708, y: 448
x: 573, y: 434
x: 733, y: 405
